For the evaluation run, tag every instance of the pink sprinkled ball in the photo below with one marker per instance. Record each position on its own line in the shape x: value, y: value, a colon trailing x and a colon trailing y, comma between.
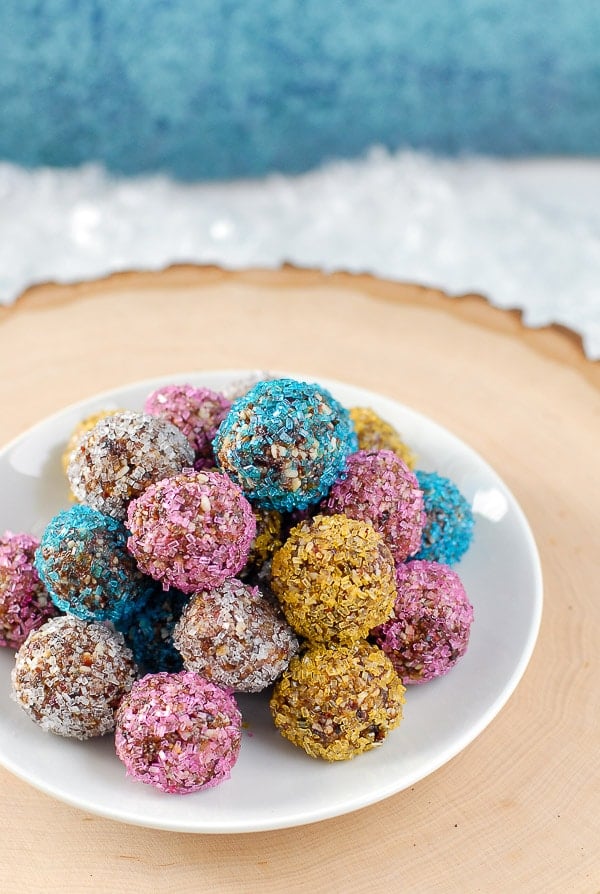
x: 191, y: 531
x: 429, y: 628
x: 197, y: 412
x: 178, y: 732
x: 25, y: 603
x: 378, y: 487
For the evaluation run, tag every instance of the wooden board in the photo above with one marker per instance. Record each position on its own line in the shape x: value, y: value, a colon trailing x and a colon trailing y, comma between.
x: 519, y: 809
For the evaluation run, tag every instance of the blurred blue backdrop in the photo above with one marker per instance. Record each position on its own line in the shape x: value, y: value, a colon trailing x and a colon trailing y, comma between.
x: 240, y: 87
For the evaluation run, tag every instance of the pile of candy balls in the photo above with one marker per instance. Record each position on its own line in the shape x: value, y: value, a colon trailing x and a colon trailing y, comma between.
x: 269, y: 539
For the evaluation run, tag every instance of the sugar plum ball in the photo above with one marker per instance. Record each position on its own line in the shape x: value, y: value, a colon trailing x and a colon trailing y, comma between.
x: 431, y: 621
x: 285, y: 443
x: 269, y: 538
x: 25, y: 603
x: 235, y: 637
x: 336, y: 702
x: 148, y: 631
x: 70, y: 676
x: 84, y: 562
x: 240, y: 387
x: 449, y: 522
x: 123, y: 455
x: 380, y: 488
x: 333, y: 577
x: 374, y: 433
x: 191, y: 531
x: 197, y: 412
x: 178, y: 732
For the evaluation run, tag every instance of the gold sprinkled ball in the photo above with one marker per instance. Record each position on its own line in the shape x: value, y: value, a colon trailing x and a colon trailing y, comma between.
x: 268, y: 540
x: 374, y: 433
x: 338, y: 701
x: 334, y: 577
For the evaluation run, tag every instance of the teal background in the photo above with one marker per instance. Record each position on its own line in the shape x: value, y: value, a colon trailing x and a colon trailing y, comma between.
x: 241, y: 87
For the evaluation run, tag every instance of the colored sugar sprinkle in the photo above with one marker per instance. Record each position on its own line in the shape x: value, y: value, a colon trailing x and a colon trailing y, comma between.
x: 374, y: 433
x: 70, y: 676
x: 334, y: 577
x: 336, y: 702
x: 449, y: 527
x: 380, y: 488
x: 84, y: 562
x: 178, y: 732
x: 191, y: 531
x: 123, y: 455
x: 25, y: 603
x: 429, y: 628
x: 148, y: 631
x: 285, y: 442
x: 235, y: 637
x: 196, y: 412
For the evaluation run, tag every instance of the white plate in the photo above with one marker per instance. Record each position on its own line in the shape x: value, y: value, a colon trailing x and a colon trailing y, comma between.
x: 275, y: 785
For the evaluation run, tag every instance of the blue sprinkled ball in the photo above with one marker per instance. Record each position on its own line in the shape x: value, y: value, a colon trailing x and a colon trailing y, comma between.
x: 84, y: 563
x: 148, y: 631
x: 449, y: 527
x: 285, y: 443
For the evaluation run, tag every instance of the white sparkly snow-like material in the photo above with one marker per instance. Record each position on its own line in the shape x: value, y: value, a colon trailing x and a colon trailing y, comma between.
x: 524, y: 233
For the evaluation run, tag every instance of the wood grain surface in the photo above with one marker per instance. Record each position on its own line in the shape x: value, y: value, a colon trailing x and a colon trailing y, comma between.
x: 519, y: 809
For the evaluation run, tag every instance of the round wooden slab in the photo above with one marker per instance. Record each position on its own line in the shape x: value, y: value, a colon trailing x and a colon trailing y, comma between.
x: 519, y: 809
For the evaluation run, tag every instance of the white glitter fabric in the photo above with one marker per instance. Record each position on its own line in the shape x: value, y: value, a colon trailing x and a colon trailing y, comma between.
x: 70, y: 676
x: 525, y: 234
x: 122, y: 456
x: 234, y: 637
